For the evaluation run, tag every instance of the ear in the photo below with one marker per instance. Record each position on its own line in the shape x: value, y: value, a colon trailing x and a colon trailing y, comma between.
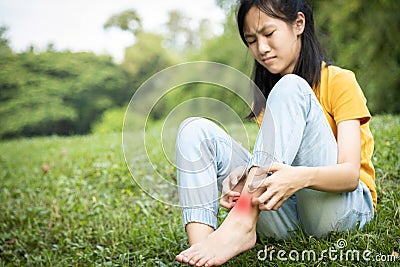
x: 300, y: 23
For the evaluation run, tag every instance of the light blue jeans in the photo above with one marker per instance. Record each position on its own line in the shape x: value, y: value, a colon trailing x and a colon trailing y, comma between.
x: 294, y: 131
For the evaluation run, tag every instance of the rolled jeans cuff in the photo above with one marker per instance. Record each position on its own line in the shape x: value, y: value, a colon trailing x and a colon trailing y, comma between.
x: 199, y: 215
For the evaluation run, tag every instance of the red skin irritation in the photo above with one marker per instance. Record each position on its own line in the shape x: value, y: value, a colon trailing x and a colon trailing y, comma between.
x: 243, y: 204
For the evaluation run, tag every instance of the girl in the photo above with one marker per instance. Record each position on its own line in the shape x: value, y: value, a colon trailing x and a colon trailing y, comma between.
x: 311, y: 165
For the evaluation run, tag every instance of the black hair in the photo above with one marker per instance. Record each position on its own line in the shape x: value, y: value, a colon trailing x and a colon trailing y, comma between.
x: 311, y: 56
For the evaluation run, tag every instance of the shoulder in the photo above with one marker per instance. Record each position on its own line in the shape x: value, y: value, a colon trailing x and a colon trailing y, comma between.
x: 334, y: 74
x: 342, y: 95
x: 336, y: 80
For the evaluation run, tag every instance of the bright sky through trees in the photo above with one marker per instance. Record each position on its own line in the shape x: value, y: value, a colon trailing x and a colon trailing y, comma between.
x: 78, y: 25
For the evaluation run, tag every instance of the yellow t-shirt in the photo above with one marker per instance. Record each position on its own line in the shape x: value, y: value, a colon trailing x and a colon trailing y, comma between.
x: 342, y: 99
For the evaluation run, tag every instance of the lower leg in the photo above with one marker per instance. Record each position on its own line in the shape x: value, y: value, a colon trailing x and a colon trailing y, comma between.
x: 235, y: 235
x: 197, y: 232
x: 205, y: 154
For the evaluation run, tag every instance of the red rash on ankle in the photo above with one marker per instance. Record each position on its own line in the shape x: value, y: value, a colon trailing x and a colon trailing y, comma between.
x: 244, y: 203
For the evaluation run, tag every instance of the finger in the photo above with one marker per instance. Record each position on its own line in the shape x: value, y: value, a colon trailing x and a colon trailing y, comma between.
x: 259, y: 182
x: 231, y: 194
x: 279, y: 204
x: 262, y: 207
x: 224, y: 204
x: 276, y: 166
x: 263, y: 198
x: 269, y: 205
x: 261, y: 170
x: 228, y: 202
x: 227, y: 205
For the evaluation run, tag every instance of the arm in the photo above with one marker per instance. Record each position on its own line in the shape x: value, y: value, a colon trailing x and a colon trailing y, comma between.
x: 342, y: 177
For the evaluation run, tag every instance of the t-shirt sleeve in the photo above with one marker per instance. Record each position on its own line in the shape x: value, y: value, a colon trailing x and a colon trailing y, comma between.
x: 348, y: 100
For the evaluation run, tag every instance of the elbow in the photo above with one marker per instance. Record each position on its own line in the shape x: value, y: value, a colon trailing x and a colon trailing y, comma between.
x: 354, y: 178
x: 353, y: 185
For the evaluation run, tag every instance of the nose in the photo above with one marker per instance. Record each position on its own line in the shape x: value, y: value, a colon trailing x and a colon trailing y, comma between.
x: 263, y: 47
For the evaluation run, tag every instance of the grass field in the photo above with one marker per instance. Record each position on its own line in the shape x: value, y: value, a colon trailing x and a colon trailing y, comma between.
x: 87, y: 211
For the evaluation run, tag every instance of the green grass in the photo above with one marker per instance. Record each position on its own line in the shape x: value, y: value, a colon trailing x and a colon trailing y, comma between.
x: 87, y: 211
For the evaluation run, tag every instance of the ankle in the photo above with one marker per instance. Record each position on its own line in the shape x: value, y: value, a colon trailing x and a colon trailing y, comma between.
x: 197, y: 232
x: 245, y: 220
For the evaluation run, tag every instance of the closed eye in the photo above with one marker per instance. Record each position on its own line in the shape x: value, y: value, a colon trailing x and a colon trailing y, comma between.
x: 250, y: 38
x: 269, y: 34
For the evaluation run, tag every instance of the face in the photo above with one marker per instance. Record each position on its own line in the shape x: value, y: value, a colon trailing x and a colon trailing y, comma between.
x: 274, y: 43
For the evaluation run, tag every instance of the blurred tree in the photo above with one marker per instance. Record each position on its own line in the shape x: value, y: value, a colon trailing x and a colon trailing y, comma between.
x: 4, y: 45
x: 205, y: 30
x: 227, y: 5
x: 111, y: 121
x: 127, y: 20
x: 145, y: 58
x: 363, y: 35
x: 183, y: 34
x: 57, y: 92
x: 177, y: 30
x: 227, y: 48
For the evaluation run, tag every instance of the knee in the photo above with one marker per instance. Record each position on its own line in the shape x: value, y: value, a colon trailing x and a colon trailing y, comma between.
x: 288, y: 87
x: 194, y: 145
x: 191, y: 127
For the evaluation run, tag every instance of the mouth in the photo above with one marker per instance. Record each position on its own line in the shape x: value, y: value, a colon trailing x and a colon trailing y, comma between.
x: 268, y: 60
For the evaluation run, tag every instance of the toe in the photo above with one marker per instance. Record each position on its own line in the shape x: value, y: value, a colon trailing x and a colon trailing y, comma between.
x: 201, y: 263
x: 211, y: 262
x: 204, y: 261
x: 182, y: 258
x: 179, y: 258
x: 195, y: 259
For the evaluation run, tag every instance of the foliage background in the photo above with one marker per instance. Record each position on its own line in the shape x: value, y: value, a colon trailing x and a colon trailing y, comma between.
x: 65, y: 93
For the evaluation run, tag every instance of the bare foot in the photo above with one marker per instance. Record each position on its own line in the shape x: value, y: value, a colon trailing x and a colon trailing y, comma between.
x: 235, y: 235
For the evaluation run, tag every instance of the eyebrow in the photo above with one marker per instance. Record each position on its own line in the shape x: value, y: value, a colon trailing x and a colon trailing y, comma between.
x: 267, y: 25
